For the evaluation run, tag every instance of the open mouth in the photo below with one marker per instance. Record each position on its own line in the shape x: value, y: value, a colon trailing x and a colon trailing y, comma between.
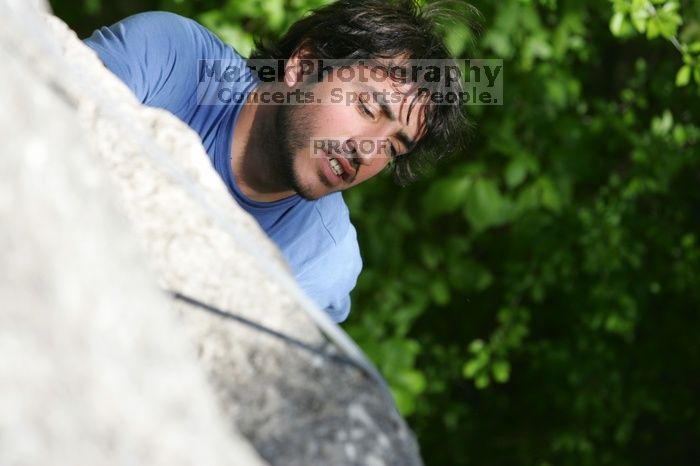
x: 336, y: 167
x: 341, y: 167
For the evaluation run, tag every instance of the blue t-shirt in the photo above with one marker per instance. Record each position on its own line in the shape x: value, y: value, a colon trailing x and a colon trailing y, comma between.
x: 160, y: 57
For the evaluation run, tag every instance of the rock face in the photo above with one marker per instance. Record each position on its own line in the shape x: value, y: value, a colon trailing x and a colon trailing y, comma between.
x: 144, y: 317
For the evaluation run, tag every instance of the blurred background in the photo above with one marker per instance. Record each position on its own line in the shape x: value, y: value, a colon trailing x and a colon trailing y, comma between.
x: 536, y: 299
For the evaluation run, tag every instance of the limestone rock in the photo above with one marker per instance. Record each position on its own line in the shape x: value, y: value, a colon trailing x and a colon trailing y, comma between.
x: 94, y: 370
x: 106, y: 203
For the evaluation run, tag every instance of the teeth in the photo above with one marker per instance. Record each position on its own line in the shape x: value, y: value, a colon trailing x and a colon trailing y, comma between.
x: 336, y: 167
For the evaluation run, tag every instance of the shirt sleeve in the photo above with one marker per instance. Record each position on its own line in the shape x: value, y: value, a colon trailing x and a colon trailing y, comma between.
x: 331, y: 276
x: 155, y: 54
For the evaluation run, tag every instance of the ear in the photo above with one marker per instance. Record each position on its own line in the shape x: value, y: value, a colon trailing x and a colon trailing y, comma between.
x: 297, y: 66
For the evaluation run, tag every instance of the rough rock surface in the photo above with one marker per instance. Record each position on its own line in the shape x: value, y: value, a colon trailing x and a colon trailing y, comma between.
x: 94, y: 370
x: 93, y: 358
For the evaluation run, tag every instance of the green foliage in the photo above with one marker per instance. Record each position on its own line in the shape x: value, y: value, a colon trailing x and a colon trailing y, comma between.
x: 236, y: 20
x: 657, y: 18
x: 535, y: 300
x: 550, y: 255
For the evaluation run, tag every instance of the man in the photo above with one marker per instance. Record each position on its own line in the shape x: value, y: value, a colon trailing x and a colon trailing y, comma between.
x: 286, y: 161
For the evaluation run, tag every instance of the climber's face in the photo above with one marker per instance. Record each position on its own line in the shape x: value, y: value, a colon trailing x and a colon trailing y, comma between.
x: 352, y: 132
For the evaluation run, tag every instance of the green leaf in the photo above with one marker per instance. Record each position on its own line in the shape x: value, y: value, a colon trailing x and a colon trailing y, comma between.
x: 663, y: 124
x: 501, y: 371
x: 516, y: 171
x: 653, y: 29
x: 467, y: 275
x: 541, y: 193
x: 668, y: 24
x: 440, y: 292
x: 93, y: 7
x: 470, y: 369
x: 431, y: 255
x: 476, y: 345
x: 683, y: 76
x: 640, y: 19
x: 274, y: 12
x: 447, y: 195
x: 413, y: 381
x: 616, y: 23
x: 670, y: 6
x: 482, y: 381
x: 405, y: 401
x: 486, y: 206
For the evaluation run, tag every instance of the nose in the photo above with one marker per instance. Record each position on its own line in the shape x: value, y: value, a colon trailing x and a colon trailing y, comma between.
x: 362, y: 151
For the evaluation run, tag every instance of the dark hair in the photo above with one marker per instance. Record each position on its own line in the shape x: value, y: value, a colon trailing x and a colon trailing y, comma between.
x: 371, y: 29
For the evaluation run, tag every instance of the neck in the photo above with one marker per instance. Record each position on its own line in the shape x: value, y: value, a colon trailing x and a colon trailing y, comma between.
x: 255, y: 155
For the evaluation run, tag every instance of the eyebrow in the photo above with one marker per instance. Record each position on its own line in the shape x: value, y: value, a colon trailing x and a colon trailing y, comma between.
x: 389, y: 113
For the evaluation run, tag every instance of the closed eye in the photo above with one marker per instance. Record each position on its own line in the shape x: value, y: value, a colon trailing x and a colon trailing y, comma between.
x: 366, y: 111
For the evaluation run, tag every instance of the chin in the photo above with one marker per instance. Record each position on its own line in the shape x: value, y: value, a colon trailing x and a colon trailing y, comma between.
x: 310, y: 187
x: 308, y: 192
x: 308, y: 195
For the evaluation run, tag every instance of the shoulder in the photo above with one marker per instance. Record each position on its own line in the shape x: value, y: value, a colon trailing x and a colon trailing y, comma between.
x: 156, y: 29
x: 155, y: 25
x: 163, y: 57
x: 162, y: 22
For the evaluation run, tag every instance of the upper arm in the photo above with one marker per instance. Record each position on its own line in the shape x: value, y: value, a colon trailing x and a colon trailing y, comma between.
x: 330, y: 277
